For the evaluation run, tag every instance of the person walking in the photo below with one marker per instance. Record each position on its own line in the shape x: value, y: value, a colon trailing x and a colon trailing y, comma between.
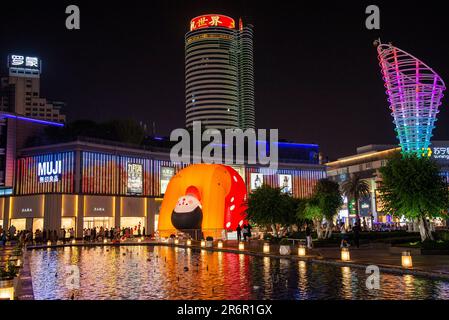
x: 245, y: 232
x: 248, y: 232
x: 309, y: 236
x: 356, y: 230
x: 239, y: 233
x: 343, y: 243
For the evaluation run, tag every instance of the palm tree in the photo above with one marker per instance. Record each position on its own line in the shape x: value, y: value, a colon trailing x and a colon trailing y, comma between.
x: 355, y: 188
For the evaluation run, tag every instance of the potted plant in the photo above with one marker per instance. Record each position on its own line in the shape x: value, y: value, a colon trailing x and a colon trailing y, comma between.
x: 8, y: 280
x: 284, y: 247
x: 209, y: 242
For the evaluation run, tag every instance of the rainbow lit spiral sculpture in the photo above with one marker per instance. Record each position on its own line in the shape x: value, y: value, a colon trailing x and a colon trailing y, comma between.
x: 414, y: 92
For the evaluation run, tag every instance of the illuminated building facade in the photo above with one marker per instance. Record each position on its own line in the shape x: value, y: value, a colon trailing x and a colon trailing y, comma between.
x: 90, y: 182
x: 219, y: 73
x: 414, y: 92
x: 366, y: 164
x: 20, y: 91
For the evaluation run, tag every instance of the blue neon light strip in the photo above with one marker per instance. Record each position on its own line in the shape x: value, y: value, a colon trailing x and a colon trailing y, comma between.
x: 51, y: 123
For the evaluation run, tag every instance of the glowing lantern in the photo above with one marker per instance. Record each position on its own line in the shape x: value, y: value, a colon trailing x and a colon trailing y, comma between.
x: 406, y: 259
x: 7, y: 291
x: 220, y: 244
x: 203, y: 243
x: 189, y: 242
x: 301, y: 250
x: 73, y: 241
x: 266, y: 247
x: 345, y: 256
x: 48, y: 243
x: 139, y: 240
x: 176, y: 241
x: 105, y: 241
x: 241, y: 246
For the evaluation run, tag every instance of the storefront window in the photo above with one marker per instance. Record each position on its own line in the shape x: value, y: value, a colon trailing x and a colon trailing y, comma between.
x: 91, y: 222
x: 133, y: 223
x: 20, y: 224
x: 68, y: 223
x: 156, y: 221
x: 38, y: 224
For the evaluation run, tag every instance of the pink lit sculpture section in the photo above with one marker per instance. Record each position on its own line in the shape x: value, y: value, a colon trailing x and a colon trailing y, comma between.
x: 414, y: 92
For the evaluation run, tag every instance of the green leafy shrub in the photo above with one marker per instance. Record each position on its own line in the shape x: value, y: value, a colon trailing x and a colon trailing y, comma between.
x: 435, y: 245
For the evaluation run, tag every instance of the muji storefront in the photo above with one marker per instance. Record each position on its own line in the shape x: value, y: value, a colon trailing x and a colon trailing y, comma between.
x: 79, y: 185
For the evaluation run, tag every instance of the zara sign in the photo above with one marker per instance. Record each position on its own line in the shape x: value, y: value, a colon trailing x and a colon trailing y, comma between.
x: 49, y: 171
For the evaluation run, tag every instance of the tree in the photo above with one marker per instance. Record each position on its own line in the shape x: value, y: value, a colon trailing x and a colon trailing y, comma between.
x: 412, y: 187
x: 309, y: 209
x: 328, y: 198
x: 269, y: 206
x: 355, y: 188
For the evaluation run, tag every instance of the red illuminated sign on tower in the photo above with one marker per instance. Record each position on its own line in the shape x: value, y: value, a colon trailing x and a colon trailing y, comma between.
x: 212, y: 20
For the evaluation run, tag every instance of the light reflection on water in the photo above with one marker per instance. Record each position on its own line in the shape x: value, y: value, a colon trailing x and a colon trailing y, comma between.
x: 147, y: 272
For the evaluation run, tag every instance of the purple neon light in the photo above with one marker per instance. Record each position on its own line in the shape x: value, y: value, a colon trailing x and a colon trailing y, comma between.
x: 414, y: 92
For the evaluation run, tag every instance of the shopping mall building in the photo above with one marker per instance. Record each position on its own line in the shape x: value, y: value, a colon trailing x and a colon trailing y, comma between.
x: 366, y: 163
x: 86, y: 182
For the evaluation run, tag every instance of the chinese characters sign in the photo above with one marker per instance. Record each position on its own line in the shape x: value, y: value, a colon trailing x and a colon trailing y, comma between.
x: 212, y: 20
x: 23, y: 62
x: 439, y: 153
x: 49, y: 171
x: 135, y: 178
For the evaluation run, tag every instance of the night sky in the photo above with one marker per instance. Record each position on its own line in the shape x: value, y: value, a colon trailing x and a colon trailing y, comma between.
x: 317, y: 74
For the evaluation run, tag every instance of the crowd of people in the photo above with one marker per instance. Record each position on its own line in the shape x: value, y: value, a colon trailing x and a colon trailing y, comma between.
x: 65, y: 235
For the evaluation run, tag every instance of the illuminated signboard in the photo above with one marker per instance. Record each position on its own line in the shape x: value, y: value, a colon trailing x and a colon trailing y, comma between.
x: 285, y: 183
x: 365, y: 206
x: 256, y: 180
x: 166, y: 174
x: 135, y: 178
x: 20, y: 62
x: 212, y: 20
x: 49, y: 171
x: 439, y: 153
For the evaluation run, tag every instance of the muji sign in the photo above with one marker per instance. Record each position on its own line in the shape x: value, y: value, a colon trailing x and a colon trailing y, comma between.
x: 49, y: 171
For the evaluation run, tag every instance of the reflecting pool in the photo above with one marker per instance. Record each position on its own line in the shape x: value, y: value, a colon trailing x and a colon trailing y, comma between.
x: 160, y: 272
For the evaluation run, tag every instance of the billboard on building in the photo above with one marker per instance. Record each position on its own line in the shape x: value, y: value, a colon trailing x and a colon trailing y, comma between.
x: 46, y: 173
x: 135, y: 178
x: 24, y: 63
x: 166, y: 174
x: 256, y: 180
x: 285, y: 183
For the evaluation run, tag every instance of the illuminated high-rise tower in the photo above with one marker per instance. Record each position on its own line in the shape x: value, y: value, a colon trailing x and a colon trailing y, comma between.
x: 219, y: 73
x: 414, y: 92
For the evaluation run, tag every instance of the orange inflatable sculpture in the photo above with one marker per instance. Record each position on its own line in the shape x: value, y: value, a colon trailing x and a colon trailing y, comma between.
x: 203, y: 200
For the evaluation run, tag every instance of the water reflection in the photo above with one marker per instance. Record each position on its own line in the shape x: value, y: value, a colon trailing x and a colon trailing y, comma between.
x: 141, y: 272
